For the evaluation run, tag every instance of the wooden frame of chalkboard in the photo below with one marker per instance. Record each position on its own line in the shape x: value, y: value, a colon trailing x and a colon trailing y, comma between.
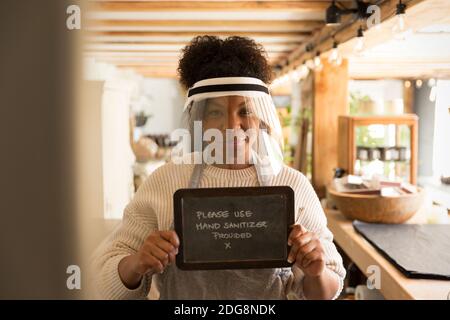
x: 275, y: 204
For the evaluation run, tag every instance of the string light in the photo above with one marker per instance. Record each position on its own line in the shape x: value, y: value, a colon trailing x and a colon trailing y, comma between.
x: 335, y: 57
x: 419, y: 83
x: 304, y: 70
x: 295, y: 75
x: 399, y: 27
x: 310, y: 64
x: 359, y: 45
x: 433, y: 94
x: 431, y: 82
x: 317, y: 62
x: 433, y: 91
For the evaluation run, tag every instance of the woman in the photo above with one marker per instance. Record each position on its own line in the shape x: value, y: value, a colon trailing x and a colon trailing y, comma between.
x: 229, y: 103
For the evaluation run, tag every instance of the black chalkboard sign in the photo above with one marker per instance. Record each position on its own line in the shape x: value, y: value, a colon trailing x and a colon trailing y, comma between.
x: 233, y: 228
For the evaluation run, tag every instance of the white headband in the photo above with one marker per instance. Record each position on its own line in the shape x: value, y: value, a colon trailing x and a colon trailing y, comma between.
x: 226, y: 86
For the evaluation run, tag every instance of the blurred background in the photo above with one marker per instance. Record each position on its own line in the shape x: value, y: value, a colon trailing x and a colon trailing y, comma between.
x: 89, y: 96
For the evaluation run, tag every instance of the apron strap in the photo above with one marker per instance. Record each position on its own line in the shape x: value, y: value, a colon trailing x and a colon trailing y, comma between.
x: 194, y: 182
x: 196, y: 176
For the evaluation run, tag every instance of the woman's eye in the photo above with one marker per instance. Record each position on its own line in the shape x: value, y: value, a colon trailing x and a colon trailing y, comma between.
x: 246, y: 112
x: 214, y: 113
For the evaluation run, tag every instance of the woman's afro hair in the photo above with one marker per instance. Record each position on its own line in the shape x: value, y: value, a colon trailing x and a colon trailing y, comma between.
x: 211, y: 57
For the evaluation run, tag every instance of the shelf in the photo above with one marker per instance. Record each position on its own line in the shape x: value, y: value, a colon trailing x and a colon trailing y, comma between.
x: 384, y: 148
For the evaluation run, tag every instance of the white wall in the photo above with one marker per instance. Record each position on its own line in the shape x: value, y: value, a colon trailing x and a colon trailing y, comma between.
x: 117, y: 155
x: 379, y: 91
x: 166, y: 101
x: 441, y: 156
x: 425, y: 110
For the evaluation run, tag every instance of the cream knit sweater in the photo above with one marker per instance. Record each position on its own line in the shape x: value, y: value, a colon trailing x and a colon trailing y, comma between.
x: 152, y: 209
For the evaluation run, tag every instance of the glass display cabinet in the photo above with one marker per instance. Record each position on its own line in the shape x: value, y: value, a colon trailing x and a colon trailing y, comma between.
x: 385, y: 146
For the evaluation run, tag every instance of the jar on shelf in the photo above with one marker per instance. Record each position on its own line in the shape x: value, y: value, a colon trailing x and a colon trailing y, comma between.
x: 391, y: 154
x: 374, y: 153
x: 362, y: 153
x: 383, y: 151
x: 402, y: 153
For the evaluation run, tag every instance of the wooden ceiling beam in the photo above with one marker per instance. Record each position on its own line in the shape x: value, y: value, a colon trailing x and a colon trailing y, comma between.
x: 171, y: 64
x: 149, y: 6
x: 93, y: 1
x: 140, y: 47
x: 190, y: 34
x: 155, y: 54
x: 151, y: 59
x: 203, y: 26
x: 175, y: 37
x: 132, y: 44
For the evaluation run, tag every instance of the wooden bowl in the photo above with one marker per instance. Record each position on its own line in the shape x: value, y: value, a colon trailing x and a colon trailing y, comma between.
x: 377, y: 209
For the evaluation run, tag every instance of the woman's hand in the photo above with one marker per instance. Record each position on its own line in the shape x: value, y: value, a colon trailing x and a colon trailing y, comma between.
x: 306, y: 251
x: 155, y: 254
x: 157, y: 251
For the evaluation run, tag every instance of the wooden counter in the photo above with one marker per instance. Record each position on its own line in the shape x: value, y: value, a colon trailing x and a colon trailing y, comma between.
x: 394, y: 285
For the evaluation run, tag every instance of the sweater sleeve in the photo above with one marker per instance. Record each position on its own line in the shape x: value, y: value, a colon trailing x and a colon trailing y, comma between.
x: 311, y: 215
x: 138, y: 222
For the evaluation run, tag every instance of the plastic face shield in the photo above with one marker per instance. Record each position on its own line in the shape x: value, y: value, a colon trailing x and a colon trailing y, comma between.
x: 231, y: 122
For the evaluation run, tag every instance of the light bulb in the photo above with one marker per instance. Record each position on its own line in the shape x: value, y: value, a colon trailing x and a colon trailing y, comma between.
x: 431, y: 82
x: 310, y: 64
x: 419, y: 83
x: 317, y: 62
x: 359, y: 45
x: 291, y: 75
x: 407, y: 84
x: 304, y: 70
x: 399, y: 27
x: 295, y: 75
x: 433, y: 94
x: 334, y: 57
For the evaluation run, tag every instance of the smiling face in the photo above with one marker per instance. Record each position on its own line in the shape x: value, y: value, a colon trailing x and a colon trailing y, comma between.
x: 232, y: 116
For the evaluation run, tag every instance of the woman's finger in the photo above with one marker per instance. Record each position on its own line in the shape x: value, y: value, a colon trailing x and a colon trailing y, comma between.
x: 305, y: 238
x: 172, y: 257
x: 303, y: 251
x: 171, y: 236
x: 314, y: 255
x: 159, y: 254
x: 293, y: 253
x: 148, y: 261
x: 168, y: 248
x: 296, y: 231
x: 165, y: 245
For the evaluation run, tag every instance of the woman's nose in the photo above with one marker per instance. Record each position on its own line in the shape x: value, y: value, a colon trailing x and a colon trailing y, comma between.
x: 235, y: 122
